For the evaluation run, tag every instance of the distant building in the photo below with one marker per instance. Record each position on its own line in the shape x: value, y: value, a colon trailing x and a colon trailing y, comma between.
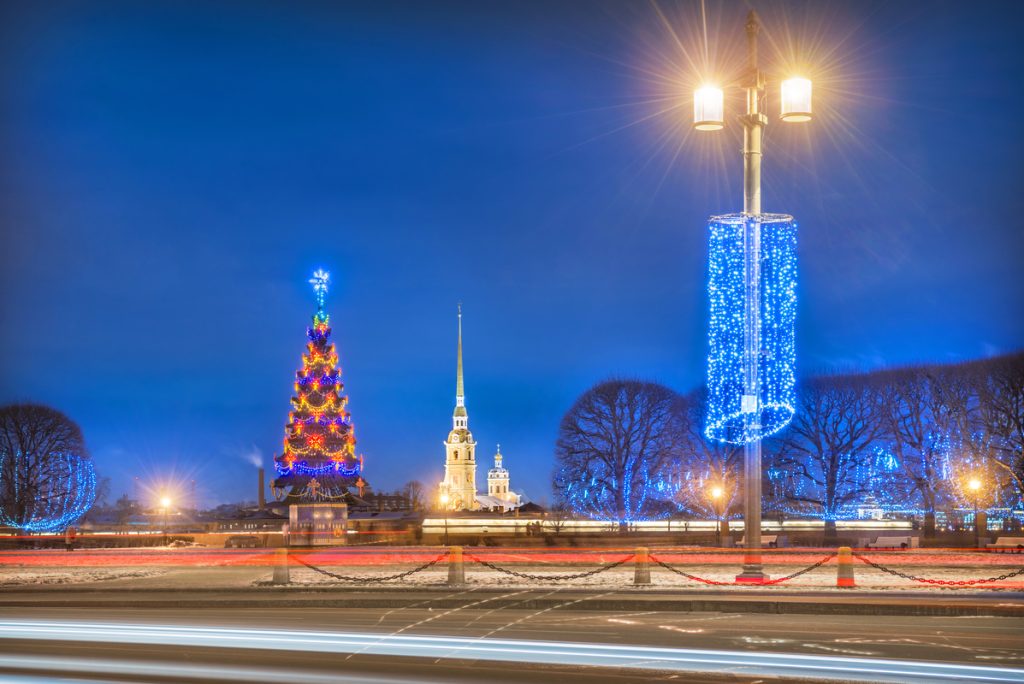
x: 458, y: 490
x: 498, y: 493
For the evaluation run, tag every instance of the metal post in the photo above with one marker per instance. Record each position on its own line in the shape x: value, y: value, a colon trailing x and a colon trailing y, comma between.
x: 753, y: 129
x: 456, y: 567
x: 641, y: 567
x: 446, y: 526
x: 977, y: 542
x: 281, y: 570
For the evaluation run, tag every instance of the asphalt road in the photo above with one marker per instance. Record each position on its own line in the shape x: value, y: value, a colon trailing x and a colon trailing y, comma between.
x: 478, y: 643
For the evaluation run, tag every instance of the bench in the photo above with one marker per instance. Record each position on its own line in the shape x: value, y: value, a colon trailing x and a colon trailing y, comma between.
x: 1007, y: 544
x: 908, y: 542
x: 772, y: 541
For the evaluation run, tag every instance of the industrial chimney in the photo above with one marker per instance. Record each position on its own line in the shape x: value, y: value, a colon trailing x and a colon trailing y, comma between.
x: 262, y: 499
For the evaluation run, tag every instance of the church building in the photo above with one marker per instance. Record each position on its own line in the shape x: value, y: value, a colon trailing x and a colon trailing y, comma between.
x: 458, y: 490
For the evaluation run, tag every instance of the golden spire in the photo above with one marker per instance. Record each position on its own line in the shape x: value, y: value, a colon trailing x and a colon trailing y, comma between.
x: 459, y: 389
x: 460, y: 393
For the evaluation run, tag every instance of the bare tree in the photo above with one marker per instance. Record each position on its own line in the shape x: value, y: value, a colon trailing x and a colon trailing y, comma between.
x: 819, y: 462
x: 1000, y: 396
x: 708, y: 472
x: 615, y: 448
x: 921, y: 410
x: 414, y: 494
x: 42, y: 454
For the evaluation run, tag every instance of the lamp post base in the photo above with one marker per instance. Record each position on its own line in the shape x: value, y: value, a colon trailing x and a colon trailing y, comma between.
x: 751, y: 576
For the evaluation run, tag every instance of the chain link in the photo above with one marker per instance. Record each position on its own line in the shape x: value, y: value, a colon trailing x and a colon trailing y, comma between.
x: 687, y: 575
x: 547, y: 578
x: 780, y: 580
x: 372, y: 579
x: 954, y: 584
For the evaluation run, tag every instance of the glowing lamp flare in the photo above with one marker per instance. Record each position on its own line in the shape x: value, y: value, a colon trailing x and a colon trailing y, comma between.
x: 708, y: 109
x: 796, y: 100
x: 716, y: 492
x: 974, y: 484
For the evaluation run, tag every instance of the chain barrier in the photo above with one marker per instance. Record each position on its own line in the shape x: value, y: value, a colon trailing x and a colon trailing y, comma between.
x: 780, y: 580
x: 953, y: 584
x: 372, y: 579
x: 688, y: 576
x: 796, y: 574
x: 548, y: 578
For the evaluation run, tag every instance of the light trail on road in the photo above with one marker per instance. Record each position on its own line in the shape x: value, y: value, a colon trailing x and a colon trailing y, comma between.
x: 499, y: 650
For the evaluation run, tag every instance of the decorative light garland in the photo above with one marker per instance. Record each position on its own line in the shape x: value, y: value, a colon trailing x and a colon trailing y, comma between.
x: 61, y: 494
x: 776, y: 336
x: 318, y: 461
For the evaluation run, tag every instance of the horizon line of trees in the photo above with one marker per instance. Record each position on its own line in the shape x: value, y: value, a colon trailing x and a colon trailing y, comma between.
x: 907, y: 440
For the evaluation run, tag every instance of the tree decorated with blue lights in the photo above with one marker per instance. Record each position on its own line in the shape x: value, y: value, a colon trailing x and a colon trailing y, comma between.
x: 615, y: 451
x: 828, y: 459
x: 318, y: 462
x: 47, y: 481
x: 923, y: 410
x: 708, y: 479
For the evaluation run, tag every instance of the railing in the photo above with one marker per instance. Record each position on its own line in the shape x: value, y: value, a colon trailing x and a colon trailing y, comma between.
x: 668, y: 568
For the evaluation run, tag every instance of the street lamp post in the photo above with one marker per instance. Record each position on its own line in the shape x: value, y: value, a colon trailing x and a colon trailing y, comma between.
x: 709, y: 115
x: 165, y: 504
x: 975, y: 487
x: 716, y: 498
x: 444, y: 504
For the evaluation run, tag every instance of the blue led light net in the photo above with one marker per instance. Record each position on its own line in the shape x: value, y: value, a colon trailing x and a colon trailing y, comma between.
x: 736, y: 241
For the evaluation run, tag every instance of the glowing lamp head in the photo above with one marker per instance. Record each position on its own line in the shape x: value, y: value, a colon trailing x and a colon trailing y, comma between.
x: 444, y: 499
x: 708, y: 109
x: 796, y: 100
x: 974, y: 484
x: 165, y: 502
x: 716, y: 492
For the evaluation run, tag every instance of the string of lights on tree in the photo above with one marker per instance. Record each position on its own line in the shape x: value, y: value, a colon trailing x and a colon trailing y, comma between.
x: 725, y: 419
x: 57, y: 498
x: 595, y: 494
x: 318, y: 462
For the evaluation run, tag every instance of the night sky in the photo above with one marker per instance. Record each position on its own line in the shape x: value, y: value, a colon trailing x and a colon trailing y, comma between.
x: 173, y: 172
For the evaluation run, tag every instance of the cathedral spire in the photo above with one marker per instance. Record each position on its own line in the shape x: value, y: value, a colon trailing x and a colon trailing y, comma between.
x: 460, y: 417
x: 460, y: 393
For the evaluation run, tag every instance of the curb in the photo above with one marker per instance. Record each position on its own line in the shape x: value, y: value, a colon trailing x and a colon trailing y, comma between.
x: 864, y: 605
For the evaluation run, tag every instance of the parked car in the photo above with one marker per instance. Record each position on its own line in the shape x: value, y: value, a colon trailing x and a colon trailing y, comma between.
x: 242, y: 541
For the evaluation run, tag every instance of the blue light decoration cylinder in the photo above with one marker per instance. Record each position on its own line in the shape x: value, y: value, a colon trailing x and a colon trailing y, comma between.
x: 765, y: 245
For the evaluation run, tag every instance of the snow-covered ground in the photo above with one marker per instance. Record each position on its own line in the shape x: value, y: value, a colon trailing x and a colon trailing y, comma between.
x: 11, y: 576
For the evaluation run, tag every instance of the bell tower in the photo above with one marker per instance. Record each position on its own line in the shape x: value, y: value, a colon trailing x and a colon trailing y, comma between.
x: 460, y: 450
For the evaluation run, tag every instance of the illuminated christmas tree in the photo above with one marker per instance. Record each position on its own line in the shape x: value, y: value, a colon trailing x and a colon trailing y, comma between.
x: 319, y: 461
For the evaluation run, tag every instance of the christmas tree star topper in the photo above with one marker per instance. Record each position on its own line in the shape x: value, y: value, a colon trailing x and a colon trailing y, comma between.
x: 319, y: 283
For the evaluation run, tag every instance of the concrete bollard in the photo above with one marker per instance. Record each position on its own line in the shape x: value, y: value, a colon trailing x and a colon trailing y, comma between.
x: 641, y: 567
x: 456, y: 567
x: 844, y: 578
x: 281, y: 567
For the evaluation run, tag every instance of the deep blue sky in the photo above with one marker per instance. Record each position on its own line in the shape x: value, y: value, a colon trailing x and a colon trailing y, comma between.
x: 172, y: 172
